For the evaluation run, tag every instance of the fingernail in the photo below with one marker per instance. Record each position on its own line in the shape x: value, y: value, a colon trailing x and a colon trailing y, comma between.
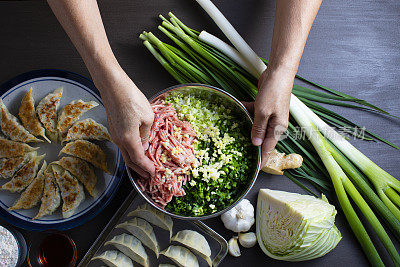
x: 257, y: 141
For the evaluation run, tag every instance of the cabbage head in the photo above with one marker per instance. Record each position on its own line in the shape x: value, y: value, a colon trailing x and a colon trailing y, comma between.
x: 294, y: 227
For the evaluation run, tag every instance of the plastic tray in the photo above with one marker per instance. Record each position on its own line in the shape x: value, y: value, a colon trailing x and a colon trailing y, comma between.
x: 218, y: 245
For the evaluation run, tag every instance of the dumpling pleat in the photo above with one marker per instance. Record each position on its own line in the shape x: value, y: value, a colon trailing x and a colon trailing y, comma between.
x: 28, y: 116
x: 88, y: 151
x: 32, y: 194
x: 11, y: 127
x: 71, y: 113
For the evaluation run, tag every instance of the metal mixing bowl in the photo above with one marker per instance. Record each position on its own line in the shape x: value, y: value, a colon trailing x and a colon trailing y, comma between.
x: 208, y: 93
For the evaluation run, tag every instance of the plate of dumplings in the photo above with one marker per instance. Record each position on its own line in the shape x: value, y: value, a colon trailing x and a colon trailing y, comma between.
x: 58, y: 165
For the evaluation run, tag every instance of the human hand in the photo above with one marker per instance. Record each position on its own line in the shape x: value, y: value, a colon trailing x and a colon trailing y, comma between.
x: 271, y: 109
x: 129, y: 117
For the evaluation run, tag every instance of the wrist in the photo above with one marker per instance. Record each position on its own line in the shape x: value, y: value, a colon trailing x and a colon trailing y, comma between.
x: 282, y: 73
x: 282, y: 68
x: 103, y: 67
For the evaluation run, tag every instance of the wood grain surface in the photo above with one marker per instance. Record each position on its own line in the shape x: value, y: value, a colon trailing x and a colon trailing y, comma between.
x: 353, y: 47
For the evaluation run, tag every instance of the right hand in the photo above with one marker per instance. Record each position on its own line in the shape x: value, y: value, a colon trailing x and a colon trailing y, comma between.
x: 130, y: 118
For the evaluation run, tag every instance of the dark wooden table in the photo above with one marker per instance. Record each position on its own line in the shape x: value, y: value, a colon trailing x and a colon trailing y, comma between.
x: 353, y: 47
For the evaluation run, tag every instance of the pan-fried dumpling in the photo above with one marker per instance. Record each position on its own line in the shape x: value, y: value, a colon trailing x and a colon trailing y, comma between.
x: 196, y: 242
x: 71, y: 113
x: 28, y: 116
x: 131, y: 247
x: 153, y: 216
x: 47, y: 112
x: 87, y: 129
x: 114, y: 258
x: 143, y: 231
x: 51, y: 198
x: 71, y: 191
x: 32, y: 194
x: 9, y: 166
x: 10, y: 149
x: 12, y: 128
x: 88, y: 151
x: 25, y: 175
x: 81, y: 170
x: 181, y: 256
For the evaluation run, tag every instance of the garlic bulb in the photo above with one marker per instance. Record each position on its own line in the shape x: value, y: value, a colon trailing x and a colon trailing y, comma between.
x: 240, y: 218
x: 247, y: 240
x: 233, y: 247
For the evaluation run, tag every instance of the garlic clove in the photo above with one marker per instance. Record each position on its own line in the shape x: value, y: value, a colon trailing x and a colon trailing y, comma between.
x: 233, y: 247
x: 247, y: 240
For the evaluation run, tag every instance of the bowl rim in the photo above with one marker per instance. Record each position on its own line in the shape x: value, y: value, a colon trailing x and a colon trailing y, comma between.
x: 131, y: 173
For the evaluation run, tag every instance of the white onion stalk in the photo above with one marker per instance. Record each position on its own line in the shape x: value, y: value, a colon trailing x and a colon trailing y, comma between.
x: 344, y: 186
x: 382, y: 180
x: 228, y: 50
x: 233, y: 36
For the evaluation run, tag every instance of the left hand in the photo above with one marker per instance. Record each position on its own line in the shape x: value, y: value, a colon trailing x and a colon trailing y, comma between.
x: 271, y: 109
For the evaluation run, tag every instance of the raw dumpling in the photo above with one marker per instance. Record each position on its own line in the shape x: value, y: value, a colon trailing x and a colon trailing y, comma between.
x: 9, y: 166
x: 87, y: 129
x: 153, y: 216
x: 47, y: 112
x: 88, y: 151
x: 196, y: 242
x: 24, y: 176
x: 71, y: 191
x: 181, y: 256
x: 28, y: 116
x: 114, y: 258
x: 13, y: 129
x: 31, y: 196
x: 71, y: 113
x: 143, y: 231
x: 51, y: 198
x: 10, y: 149
x: 131, y: 247
x: 166, y: 265
x: 81, y: 170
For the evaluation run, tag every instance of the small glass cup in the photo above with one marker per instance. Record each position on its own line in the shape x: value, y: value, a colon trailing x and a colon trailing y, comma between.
x: 52, y: 249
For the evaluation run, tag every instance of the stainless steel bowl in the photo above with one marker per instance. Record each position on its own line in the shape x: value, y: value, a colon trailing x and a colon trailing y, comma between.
x: 209, y: 93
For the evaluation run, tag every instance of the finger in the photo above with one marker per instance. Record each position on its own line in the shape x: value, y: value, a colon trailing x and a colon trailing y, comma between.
x: 132, y: 165
x: 145, y: 146
x: 259, y: 127
x: 274, y: 131
x: 135, y: 150
x: 249, y: 106
x: 145, y: 128
x: 140, y: 171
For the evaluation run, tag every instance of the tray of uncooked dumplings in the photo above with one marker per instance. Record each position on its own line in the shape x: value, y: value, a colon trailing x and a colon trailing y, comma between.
x: 140, y: 235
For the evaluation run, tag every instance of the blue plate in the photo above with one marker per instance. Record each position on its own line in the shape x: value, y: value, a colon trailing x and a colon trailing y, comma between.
x: 75, y: 87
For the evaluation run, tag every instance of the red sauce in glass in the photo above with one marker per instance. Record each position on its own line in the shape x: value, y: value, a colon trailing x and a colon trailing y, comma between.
x: 56, y: 250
